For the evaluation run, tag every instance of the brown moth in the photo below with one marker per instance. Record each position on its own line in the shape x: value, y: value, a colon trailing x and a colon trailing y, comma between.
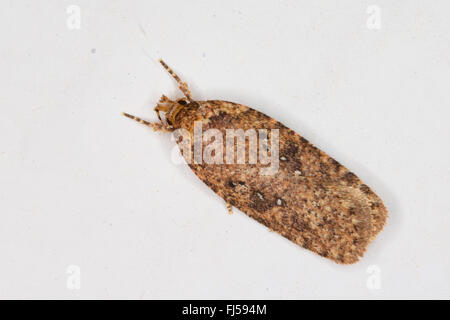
x: 311, y: 199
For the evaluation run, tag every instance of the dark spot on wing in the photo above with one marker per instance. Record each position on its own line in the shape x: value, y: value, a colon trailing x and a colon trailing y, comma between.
x: 364, y: 188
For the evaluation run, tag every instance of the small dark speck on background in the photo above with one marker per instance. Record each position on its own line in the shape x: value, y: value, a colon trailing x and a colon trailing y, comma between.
x: 93, y: 50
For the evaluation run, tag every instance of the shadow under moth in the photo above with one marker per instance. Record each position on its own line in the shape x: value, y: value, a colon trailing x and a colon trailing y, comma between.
x: 310, y: 198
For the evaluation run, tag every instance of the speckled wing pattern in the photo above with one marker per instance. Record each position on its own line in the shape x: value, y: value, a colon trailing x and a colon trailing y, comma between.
x: 312, y: 200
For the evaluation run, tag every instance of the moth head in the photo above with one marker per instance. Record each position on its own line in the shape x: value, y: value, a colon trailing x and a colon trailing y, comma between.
x: 169, y: 109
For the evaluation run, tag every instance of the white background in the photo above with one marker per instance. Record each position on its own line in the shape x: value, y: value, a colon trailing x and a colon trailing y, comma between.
x: 81, y: 185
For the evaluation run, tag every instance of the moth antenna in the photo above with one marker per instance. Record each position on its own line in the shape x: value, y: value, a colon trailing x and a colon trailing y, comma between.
x: 183, y: 86
x: 154, y: 125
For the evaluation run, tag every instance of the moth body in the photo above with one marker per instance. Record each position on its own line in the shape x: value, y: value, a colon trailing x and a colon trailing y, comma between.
x: 311, y: 199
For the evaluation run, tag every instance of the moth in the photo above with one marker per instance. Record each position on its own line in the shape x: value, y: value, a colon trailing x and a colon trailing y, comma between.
x: 311, y: 199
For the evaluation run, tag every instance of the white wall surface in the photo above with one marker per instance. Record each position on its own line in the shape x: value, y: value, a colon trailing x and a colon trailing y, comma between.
x: 92, y: 206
